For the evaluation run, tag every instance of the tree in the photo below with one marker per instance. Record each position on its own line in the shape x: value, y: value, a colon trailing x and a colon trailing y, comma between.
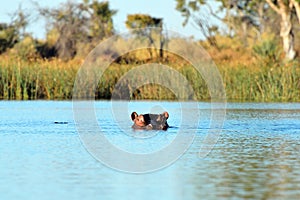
x: 13, y: 32
x: 147, y: 26
x: 240, y: 16
x: 8, y: 36
x: 285, y: 8
x: 78, y: 23
x: 188, y: 8
x: 68, y: 21
x: 99, y: 19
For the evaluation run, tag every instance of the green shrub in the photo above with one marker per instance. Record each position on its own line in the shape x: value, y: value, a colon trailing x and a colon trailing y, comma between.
x: 268, y: 52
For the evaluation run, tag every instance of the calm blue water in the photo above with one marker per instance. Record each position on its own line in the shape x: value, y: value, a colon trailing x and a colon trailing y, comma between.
x: 257, y: 155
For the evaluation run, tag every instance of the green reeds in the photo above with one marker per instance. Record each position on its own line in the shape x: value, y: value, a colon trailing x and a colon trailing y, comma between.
x: 42, y: 79
x: 278, y: 84
x: 20, y: 80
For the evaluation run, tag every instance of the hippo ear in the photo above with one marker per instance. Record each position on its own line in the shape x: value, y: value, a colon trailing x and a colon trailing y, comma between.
x: 133, y: 116
x: 166, y: 114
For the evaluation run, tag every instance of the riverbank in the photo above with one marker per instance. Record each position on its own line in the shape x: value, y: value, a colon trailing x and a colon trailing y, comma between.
x: 243, y: 79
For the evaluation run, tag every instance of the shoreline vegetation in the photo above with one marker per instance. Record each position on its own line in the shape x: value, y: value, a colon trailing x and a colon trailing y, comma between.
x: 246, y: 77
x: 256, y: 49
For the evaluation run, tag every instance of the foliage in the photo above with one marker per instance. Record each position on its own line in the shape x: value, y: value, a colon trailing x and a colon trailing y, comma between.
x: 149, y: 27
x: 142, y: 21
x: 76, y: 23
x: 26, y: 48
x: 8, y: 37
x: 246, y: 19
x: 189, y: 8
x: 268, y: 52
x: 101, y: 23
x: 11, y: 33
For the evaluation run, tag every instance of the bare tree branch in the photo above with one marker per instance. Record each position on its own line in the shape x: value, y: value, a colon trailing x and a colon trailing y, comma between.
x: 211, y: 12
x: 297, y: 8
x: 273, y: 6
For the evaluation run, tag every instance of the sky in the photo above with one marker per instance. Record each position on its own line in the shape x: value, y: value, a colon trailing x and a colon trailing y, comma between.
x: 156, y: 8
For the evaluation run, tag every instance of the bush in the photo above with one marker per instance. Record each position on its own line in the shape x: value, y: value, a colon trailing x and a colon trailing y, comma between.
x: 268, y: 52
x: 26, y: 49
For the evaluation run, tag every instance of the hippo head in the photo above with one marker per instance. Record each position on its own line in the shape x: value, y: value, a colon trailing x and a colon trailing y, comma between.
x: 138, y: 119
x: 150, y: 121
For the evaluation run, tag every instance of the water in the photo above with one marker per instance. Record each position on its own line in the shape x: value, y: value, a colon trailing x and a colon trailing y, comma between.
x: 255, y: 157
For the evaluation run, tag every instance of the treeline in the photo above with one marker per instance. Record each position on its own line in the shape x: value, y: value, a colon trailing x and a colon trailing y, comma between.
x: 73, y: 29
x: 247, y: 19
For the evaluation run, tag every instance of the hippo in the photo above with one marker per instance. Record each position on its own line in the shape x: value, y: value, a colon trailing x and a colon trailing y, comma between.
x: 150, y: 121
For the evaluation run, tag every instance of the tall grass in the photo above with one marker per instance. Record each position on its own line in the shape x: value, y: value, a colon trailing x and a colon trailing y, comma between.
x: 263, y: 85
x: 24, y: 80
x: 42, y: 79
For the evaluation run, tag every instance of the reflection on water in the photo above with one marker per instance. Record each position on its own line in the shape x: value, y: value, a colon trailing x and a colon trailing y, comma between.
x: 257, y: 166
x: 256, y: 157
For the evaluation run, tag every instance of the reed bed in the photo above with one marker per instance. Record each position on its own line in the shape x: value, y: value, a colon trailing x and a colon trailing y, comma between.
x: 54, y: 80
x: 279, y: 84
x: 42, y: 79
